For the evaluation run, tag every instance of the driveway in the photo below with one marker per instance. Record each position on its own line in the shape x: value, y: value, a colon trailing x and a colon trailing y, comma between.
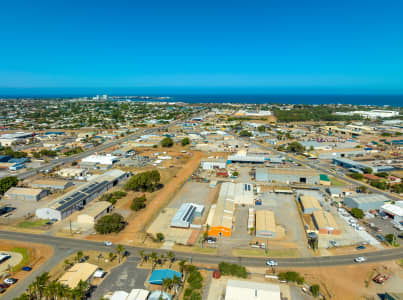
x: 125, y: 277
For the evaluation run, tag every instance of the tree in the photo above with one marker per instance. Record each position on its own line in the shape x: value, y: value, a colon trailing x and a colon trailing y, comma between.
x: 7, y: 182
x: 367, y: 170
x: 391, y: 239
x: 185, y: 141
x: 142, y: 256
x: 110, y: 223
x: 138, y: 203
x: 245, y: 133
x: 119, y: 250
x: 261, y: 128
x: 362, y: 189
x: 79, y: 255
x: 167, y: 142
x: 357, y: 212
x: 295, y: 147
x: 171, y: 257
x: 154, y: 259
x: 145, y: 182
x: 182, y: 265
x: 160, y: 237
x: 356, y: 176
x: 315, y: 290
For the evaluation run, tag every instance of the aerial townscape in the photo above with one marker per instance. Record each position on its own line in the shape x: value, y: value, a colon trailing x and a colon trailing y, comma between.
x: 147, y: 198
x: 201, y: 150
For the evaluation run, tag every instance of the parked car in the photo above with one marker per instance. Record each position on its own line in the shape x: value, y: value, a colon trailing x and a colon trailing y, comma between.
x: 4, y: 285
x: 2, y: 290
x: 108, y: 243
x: 272, y: 263
x: 360, y: 247
x: 26, y: 268
x: 10, y: 281
x: 360, y: 259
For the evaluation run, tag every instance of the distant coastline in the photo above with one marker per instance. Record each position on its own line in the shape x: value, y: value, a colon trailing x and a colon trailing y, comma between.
x: 316, y: 99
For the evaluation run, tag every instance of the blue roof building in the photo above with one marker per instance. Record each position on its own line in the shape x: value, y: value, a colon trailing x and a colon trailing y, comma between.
x: 5, y: 158
x: 19, y: 160
x: 158, y: 275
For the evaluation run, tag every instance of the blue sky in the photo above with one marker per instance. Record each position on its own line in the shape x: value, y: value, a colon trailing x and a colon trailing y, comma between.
x: 195, y: 46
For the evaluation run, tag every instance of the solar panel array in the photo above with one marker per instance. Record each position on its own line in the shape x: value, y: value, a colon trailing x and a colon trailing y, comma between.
x: 80, y: 196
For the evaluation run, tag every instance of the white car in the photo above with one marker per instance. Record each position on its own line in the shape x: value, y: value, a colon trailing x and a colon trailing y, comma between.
x: 108, y: 243
x: 10, y: 281
x: 359, y: 259
x: 272, y: 263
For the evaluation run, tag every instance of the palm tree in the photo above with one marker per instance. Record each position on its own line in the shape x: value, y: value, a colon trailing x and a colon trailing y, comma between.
x: 81, y: 289
x: 176, y: 283
x: 66, y: 264
x: 182, y: 264
x: 162, y: 259
x: 142, y: 256
x: 119, y: 250
x: 171, y: 257
x: 40, y: 283
x: 166, y: 284
x: 154, y: 259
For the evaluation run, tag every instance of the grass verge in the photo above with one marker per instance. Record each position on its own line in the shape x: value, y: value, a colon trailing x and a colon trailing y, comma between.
x: 336, y: 182
x: 25, y: 258
x: 32, y: 224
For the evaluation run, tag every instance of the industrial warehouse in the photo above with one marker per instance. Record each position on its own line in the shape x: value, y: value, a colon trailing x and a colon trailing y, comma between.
x: 27, y: 194
x: 82, y: 195
x: 265, y: 224
x: 288, y: 176
x: 221, y: 215
x: 185, y: 215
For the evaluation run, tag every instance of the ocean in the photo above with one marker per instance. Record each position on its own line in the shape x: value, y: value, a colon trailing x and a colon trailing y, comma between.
x: 379, y: 100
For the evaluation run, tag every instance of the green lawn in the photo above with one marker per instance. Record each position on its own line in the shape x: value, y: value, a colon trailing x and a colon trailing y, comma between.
x: 32, y: 224
x: 25, y: 258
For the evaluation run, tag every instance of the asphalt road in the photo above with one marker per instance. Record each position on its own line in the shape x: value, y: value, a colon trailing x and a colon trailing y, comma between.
x: 66, y: 246
x: 70, y: 159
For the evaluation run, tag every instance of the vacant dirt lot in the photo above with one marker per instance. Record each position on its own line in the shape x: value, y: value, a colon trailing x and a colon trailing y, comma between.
x: 138, y: 221
x: 354, y: 282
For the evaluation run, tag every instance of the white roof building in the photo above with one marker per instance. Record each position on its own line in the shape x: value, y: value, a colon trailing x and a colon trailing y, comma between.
x: 241, y: 290
x: 100, y: 159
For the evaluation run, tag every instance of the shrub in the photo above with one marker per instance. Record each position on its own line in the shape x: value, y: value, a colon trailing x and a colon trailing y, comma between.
x: 160, y: 237
x: 167, y: 142
x: 315, y: 290
x: 233, y: 269
x: 295, y: 147
x: 358, y: 213
x: 185, y: 141
x: 138, y: 203
x: 245, y: 133
x: 356, y: 176
x: 110, y: 223
x: 291, y: 277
